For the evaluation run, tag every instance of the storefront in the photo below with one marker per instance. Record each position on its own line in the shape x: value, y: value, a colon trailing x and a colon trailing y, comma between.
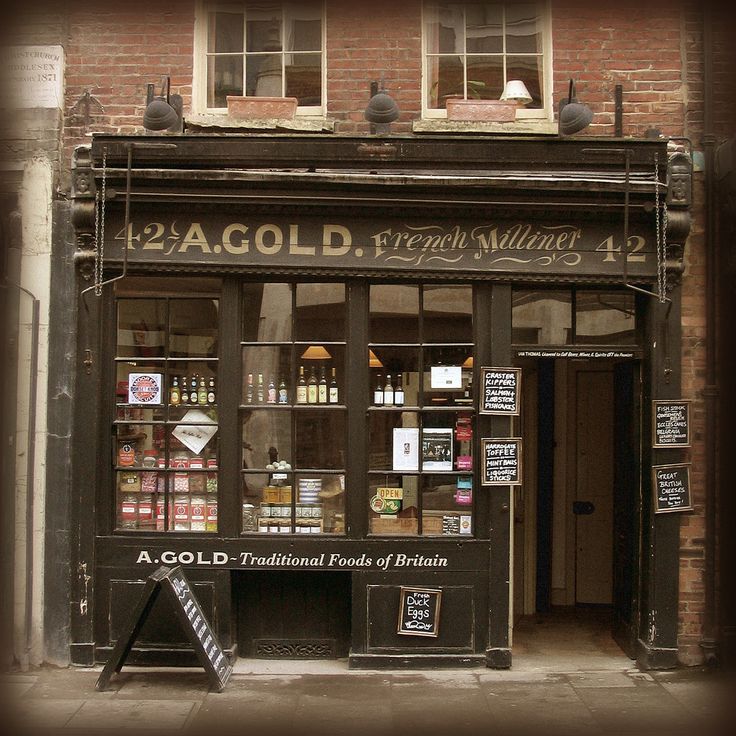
x: 281, y: 385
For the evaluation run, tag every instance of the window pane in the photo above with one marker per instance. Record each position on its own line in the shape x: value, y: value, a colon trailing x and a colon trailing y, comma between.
x: 263, y: 27
x: 484, y: 28
x: 141, y: 327
x: 394, y: 314
x: 303, y: 26
x: 320, y: 312
x: 541, y: 317
x: 266, y: 312
x: 444, y: 28
x: 267, y: 440
x: 448, y: 314
x: 304, y: 78
x: 193, y: 328
x: 447, y: 505
x: 225, y: 33
x: 149, y: 394
x: 263, y: 75
x: 190, y: 383
x: 444, y: 443
x: 605, y: 318
x: 529, y: 70
x: 320, y: 439
x: 267, y: 375
x: 444, y: 78
x: 320, y: 504
x: 393, y: 440
x: 448, y: 375
x: 523, y: 29
x: 485, y: 77
x: 402, y: 490
x: 397, y: 367
x: 224, y: 77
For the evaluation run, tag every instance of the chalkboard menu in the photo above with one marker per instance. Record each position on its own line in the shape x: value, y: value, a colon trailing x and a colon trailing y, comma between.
x: 501, y: 461
x: 500, y: 390
x: 671, y: 484
x: 178, y: 590
x: 671, y: 423
x: 419, y: 611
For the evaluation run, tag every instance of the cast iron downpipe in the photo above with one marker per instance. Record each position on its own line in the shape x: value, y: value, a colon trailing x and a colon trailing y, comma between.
x: 710, y: 392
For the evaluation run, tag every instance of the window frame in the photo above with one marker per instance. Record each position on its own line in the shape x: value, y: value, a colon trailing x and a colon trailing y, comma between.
x: 199, y: 66
x: 544, y: 113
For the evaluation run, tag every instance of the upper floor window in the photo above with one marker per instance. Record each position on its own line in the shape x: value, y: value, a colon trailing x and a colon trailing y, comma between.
x: 261, y: 49
x: 471, y: 49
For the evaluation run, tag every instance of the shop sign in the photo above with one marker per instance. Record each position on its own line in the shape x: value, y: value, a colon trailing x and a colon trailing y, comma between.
x: 575, y: 353
x: 671, y: 485
x: 144, y: 388
x: 387, y: 501
x: 478, y: 245
x: 419, y: 611
x: 501, y: 461
x: 500, y: 390
x: 671, y: 423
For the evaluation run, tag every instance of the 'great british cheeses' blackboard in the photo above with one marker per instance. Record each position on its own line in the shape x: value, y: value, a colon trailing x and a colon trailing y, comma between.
x: 501, y: 461
x: 671, y: 485
x: 500, y: 390
x: 671, y: 423
x: 419, y: 611
x: 178, y: 590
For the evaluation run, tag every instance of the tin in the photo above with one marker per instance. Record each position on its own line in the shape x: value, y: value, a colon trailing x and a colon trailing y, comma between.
x: 129, y: 511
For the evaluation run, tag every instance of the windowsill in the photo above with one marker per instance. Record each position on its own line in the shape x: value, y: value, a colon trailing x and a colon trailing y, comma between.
x: 213, y: 122
x: 515, y: 127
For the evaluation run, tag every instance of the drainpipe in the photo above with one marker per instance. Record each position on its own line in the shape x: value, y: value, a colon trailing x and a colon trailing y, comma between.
x: 710, y: 393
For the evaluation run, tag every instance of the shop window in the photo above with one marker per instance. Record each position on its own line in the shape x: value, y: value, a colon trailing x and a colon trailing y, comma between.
x: 260, y: 49
x: 421, y: 417
x: 166, y: 449
x: 605, y: 318
x: 471, y: 49
x: 542, y: 317
x: 292, y: 408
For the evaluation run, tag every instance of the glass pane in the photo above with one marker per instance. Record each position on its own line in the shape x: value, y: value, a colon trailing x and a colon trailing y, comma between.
x: 303, y: 26
x: 320, y: 504
x: 485, y: 77
x: 394, y: 314
x: 140, y: 391
x: 267, y: 440
x: 484, y: 28
x: 141, y: 327
x: 225, y: 33
x: 541, y: 317
x: 266, y: 312
x: 321, y: 375
x: 523, y: 29
x: 193, y: 328
x: 191, y: 383
x: 138, y: 509
x: 447, y: 505
x: 138, y: 445
x: 263, y: 75
x: 448, y: 314
x: 304, y: 78
x: 448, y: 375
x: 444, y: 28
x: 393, y: 440
x: 446, y: 441
x: 393, y: 504
x: 191, y: 511
x: 263, y: 27
x: 444, y: 78
x: 529, y: 70
x: 394, y: 376
x: 257, y: 497
x: 224, y: 77
x: 605, y: 318
x: 267, y: 375
x: 320, y: 312
x: 320, y: 439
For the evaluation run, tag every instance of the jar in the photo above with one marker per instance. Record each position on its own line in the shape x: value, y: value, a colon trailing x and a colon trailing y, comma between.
x: 266, y: 510
x: 263, y: 526
x: 211, y: 513
x: 161, y: 513
x: 315, y: 527
x: 197, y: 511
x: 249, y: 517
x: 285, y: 526
x: 129, y: 511
x: 181, y: 512
x: 145, y: 511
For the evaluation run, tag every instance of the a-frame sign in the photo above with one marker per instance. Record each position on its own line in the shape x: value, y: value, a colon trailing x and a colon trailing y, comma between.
x: 176, y: 587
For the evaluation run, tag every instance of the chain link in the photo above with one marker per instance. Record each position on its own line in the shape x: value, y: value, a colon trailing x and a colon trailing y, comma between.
x: 100, y: 229
x: 660, y: 219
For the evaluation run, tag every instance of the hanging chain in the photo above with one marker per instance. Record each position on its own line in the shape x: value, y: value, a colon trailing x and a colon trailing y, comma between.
x: 660, y: 219
x: 100, y: 228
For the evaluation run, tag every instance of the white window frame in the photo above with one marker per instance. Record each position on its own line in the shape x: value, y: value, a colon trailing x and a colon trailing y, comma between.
x: 545, y: 113
x: 199, y: 80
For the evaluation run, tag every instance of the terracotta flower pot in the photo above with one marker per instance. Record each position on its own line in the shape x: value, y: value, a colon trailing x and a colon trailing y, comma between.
x: 260, y: 108
x: 496, y: 111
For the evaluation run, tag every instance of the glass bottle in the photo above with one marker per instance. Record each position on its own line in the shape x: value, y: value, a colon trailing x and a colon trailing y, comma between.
x: 301, y: 387
x: 183, y: 391
x: 259, y: 389
x: 322, y: 388
x: 312, y: 388
x: 399, y: 391
x: 283, y: 392
x: 211, y: 396
x: 202, y: 392
x: 378, y: 392
x: 271, y: 395
x: 174, y: 392
x: 193, y: 389
x: 388, y: 391
x: 249, y: 392
x: 334, y: 396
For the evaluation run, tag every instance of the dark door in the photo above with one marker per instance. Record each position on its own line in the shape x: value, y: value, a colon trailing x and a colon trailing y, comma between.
x: 626, y: 504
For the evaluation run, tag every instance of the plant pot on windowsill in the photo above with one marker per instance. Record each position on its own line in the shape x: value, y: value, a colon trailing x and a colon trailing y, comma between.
x: 261, y: 108
x: 494, y: 111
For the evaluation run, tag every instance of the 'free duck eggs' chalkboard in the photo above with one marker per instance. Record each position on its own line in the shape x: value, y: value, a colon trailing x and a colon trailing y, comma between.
x: 419, y: 611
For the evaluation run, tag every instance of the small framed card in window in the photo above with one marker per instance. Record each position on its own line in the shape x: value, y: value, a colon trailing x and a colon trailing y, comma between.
x: 437, y: 449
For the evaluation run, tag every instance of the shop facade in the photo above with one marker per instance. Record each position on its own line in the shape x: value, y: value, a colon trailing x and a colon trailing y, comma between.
x: 287, y: 345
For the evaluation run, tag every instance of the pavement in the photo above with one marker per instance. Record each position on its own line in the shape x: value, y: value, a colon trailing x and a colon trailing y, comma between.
x: 577, y: 696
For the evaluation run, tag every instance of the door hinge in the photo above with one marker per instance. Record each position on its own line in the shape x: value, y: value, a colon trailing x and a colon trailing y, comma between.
x: 88, y: 361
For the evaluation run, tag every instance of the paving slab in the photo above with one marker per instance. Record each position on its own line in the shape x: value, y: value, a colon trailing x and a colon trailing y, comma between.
x: 138, y: 715
x: 32, y: 715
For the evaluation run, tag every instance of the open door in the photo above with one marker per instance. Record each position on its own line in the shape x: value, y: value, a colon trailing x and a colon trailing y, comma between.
x: 627, y: 504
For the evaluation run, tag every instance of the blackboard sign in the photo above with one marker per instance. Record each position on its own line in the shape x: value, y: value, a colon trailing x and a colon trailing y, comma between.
x: 177, y: 589
x: 671, y: 484
x: 501, y: 461
x: 671, y: 423
x: 419, y: 611
x: 500, y: 390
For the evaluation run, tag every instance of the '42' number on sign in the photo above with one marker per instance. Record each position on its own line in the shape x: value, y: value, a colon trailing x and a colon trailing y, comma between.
x: 635, y: 243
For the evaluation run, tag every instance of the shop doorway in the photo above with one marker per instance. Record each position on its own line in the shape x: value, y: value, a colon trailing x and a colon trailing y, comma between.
x: 576, y: 521
x: 292, y: 614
